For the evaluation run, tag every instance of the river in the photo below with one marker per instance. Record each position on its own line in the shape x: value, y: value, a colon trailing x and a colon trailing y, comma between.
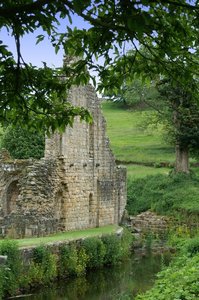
x: 119, y: 282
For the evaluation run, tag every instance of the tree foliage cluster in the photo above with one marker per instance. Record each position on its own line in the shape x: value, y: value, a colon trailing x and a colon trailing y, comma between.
x: 182, y: 115
x: 37, y: 97
x: 23, y: 143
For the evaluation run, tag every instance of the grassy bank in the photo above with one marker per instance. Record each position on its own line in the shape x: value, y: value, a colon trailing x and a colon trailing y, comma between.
x: 66, y: 236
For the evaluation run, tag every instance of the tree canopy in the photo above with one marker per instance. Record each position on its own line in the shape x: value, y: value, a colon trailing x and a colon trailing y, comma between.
x: 169, y: 30
x: 22, y: 143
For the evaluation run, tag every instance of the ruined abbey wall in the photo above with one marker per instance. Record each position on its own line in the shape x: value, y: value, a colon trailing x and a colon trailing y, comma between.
x: 76, y: 185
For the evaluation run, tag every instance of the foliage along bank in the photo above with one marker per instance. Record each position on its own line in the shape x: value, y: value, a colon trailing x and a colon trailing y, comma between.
x: 180, y: 281
x: 73, y: 259
x: 166, y: 194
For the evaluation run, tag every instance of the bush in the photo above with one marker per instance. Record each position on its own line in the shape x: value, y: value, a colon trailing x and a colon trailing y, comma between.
x: 81, y: 262
x: 67, y: 260
x: 22, y: 143
x: 126, y: 243
x: 72, y: 261
x: 179, y: 281
x: 95, y: 249
x: 163, y: 194
x: 2, y: 281
x: 43, y: 268
x: 113, y: 249
x: 136, y: 202
x: 192, y: 246
x: 12, y: 270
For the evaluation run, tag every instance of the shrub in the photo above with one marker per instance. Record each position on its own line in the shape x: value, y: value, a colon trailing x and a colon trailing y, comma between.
x: 2, y: 280
x: 12, y: 270
x: 192, y: 246
x: 113, y: 249
x: 81, y: 262
x: 43, y: 268
x: 136, y: 203
x: 163, y: 194
x: 72, y: 261
x: 95, y: 249
x: 23, y: 143
x: 126, y: 243
x: 179, y: 281
x: 67, y: 260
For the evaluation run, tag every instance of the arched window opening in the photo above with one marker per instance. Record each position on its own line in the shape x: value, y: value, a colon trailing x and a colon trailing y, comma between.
x: 12, y: 195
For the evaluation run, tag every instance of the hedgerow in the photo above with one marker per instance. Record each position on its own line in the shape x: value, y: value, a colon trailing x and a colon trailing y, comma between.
x: 71, y: 260
x: 164, y: 194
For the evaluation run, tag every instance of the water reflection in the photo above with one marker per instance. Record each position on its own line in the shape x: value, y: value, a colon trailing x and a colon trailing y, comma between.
x: 133, y: 276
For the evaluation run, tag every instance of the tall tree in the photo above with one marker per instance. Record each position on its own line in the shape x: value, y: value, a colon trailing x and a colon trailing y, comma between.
x: 182, y: 116
x: 36, y: 96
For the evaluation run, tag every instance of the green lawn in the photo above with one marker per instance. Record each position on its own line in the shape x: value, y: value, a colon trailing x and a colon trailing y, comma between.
x: 138, y: 171
x: 71, y: 235
x: 129, y: 141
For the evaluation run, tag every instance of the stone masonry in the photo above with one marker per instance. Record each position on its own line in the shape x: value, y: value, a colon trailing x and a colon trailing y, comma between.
x: 76, y: 185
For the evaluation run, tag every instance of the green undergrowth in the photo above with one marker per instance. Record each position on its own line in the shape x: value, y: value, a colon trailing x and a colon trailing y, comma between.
x: 69, y: 235
x: 179, y: 281
x: 175, y: 195
x: 165, y: 194
x: 70, y: 259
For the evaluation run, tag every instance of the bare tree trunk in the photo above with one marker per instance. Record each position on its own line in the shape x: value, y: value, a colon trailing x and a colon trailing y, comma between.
x: 182, y: 160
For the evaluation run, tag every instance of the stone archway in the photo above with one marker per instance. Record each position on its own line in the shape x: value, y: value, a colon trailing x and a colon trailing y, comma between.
x: 11, y: 196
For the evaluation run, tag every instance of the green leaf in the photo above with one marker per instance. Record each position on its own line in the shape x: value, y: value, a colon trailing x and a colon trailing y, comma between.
x: 40, y: 38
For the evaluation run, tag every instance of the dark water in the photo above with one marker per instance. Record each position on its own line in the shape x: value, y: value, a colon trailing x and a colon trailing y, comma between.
x: 119, y: 282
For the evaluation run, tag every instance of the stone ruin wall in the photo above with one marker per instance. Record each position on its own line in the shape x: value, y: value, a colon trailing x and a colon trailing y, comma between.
x: 76, y: 185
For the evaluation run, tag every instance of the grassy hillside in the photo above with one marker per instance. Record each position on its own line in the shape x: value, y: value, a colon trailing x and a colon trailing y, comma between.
x: 138, y: 171
x: 129, y: 141
x: 134, y: 145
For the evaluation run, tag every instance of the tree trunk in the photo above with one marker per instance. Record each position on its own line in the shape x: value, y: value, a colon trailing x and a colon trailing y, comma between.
x: 182, y: 159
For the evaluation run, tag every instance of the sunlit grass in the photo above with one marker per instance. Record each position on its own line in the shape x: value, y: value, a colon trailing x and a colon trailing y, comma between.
x: 67, y: 236
x: 130, y: 143
x: 138, y: 171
